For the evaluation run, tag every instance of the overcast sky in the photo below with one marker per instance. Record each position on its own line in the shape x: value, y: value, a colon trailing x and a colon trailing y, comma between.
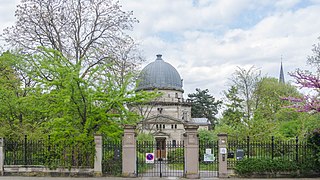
x: 205, y: 40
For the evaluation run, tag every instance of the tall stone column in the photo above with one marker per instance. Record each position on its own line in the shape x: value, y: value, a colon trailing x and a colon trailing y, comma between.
x: 223, y: 170
x: 191, y: 151
x: 98, y: 158
x: 1, y: 156
x: 129, y: 151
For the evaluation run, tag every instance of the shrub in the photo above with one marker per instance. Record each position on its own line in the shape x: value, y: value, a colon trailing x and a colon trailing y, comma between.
x: 251, y: 166
x: 314, y: 140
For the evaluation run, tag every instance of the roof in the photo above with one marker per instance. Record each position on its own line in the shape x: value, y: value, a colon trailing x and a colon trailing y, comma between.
x: 159, y: 75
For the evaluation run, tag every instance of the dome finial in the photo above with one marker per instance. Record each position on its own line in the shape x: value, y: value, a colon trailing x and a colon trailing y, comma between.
x: 159, y: 57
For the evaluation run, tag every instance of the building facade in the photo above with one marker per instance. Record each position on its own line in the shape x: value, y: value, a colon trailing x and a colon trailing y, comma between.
x: 166, y: 116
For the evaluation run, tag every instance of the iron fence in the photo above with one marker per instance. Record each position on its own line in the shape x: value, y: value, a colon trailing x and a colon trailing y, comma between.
x: 208, y: 159
x: 291, y: 150
x: 112, y: 158
x: 45, y: 152
x: 166, y: 160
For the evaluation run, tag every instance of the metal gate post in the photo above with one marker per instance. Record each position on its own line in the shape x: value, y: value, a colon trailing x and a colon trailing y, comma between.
x: 223, y: 168
x: 191, y: 153
x: 129, y: 151
x: 160, y: 160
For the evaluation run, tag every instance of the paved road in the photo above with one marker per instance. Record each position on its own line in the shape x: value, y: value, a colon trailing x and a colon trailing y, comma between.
x: 119, y: 178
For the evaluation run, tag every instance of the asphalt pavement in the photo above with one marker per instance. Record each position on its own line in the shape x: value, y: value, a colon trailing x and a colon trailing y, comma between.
x: 119, y: 178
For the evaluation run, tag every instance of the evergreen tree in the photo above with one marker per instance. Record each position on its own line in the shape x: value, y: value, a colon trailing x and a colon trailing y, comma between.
x: 204, y: 105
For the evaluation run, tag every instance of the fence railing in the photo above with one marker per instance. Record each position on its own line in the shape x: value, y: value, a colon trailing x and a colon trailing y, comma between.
x: 112, y: 157
x: 293, y: 150
x: 45, y: 152
x: 208, y: 159
x: 168, y: 158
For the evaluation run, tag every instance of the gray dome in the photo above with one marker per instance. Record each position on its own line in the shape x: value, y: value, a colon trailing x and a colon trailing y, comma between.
x: 159, y: 75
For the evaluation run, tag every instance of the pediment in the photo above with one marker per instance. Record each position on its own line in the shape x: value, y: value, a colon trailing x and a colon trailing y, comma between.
x: 161, y: 134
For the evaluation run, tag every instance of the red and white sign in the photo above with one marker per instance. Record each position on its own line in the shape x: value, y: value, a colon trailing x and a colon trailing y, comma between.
x: 149, y: 157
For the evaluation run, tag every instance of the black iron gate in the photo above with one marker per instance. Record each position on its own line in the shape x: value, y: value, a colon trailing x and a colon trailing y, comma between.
x: 160, y: 158
x: 208, y: 159
x: 112, y: 158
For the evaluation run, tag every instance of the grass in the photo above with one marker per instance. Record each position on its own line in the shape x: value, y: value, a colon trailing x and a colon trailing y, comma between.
x: 203, y: 167
x: 176, y: 166
x: 209, y: 166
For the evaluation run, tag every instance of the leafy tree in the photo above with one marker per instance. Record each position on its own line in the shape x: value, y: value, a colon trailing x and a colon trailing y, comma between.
x: 9, y: 92
x: 206, y: 135
x: 70, y: 107
x: 83, y: 105
x: 268, y: 94
x: 81, y: 79
x: 233, y: 114
x: 145, y: 137
x: 204, y: 105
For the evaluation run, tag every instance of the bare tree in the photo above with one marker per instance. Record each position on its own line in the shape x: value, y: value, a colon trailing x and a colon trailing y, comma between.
x: 314, y: 60
x: 246, y: 81
x: 87, y: 32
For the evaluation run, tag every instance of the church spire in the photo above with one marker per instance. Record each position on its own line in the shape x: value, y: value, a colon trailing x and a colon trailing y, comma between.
x: 281, y: 77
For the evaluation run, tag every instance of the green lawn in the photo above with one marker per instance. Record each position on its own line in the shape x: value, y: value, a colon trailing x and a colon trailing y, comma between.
x: 203, y: 166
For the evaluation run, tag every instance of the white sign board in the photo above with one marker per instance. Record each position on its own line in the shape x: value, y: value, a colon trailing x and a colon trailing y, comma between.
x: 208, y: 151
x: 223, y: 150
x: 208, y: 157
x: 149, y: 157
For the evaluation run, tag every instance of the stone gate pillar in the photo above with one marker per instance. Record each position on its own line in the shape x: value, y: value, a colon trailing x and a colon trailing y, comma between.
x: 223, y: 170
x: 98, y: 158
x: 191, y: 151
x: 129, y: 151
x: 1, y: 156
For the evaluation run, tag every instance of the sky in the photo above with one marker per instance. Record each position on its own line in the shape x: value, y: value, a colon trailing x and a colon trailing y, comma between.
x: 207, y: 40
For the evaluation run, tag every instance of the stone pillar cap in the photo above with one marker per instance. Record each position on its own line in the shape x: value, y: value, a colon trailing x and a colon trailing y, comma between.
x: 129, y: 126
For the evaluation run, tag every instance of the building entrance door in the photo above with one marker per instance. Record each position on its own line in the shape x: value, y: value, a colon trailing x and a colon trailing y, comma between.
x: 161, y: 148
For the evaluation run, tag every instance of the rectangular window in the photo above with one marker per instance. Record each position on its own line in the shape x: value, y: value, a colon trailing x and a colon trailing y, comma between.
x: 175, y: 126
x: 164, y: 126
x: 174, y: 143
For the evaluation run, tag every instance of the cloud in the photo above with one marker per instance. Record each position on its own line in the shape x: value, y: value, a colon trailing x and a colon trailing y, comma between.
x: 210, y: 46
x: 7, y: 11
x: 207, y: 39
